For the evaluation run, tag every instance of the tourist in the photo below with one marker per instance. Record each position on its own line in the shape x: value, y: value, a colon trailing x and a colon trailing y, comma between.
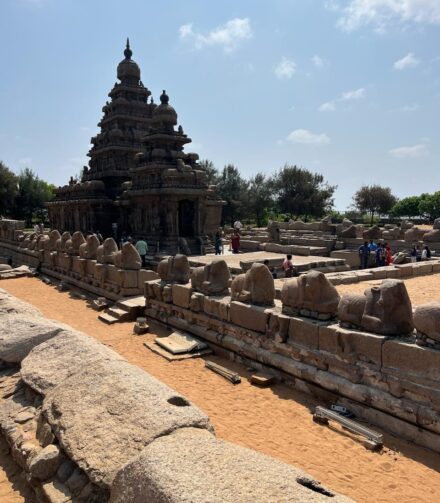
x: 288, y: 267
x: 37, y: 229
x: 235, y: 242
x: 413, y: 254
x: 364, y: 253
x: 218, y: 242
x: 41, y: 228
x: 380, y: 256
x: 100, y: 238
x: 372, y: 246
x: 419, y: 253
x: 388, y: 254
x: 142, y: 248
x: 238, y: 225
x: 271, y: 269
x: 426, y: 253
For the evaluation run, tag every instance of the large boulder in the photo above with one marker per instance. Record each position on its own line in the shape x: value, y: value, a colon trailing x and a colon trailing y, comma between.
x: 255, y: 286
x: 64, y: 355
x: 128, y: 258
x: 193, y: 466
x: 108, y: 412
x: 174, y: 269
x: 427, y: 320
x: 211, y: 279
x: 89, y: 249
x: 385, y: 309
x: 11, y: 305
x: 20, y: 333
x: 312, y: 292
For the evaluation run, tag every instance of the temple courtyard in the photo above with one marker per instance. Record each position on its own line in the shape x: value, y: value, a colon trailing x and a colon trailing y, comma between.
x: 276, y: 420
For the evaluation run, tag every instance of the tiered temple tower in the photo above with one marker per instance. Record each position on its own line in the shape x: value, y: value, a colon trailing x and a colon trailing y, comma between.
x: 170, y: 200
x: 90, y: 204
x: 139, y: 177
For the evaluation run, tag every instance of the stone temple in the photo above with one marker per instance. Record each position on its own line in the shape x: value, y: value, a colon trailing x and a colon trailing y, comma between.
x: 139, y: 180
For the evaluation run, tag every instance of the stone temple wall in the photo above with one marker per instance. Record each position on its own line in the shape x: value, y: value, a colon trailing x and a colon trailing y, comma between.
x: 369, y: 351
x: 84, y: 425
x: 101, y: 269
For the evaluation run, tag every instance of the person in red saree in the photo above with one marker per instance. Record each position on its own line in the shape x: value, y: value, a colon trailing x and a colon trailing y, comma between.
x: 235, y: 242
x: 388, y: 255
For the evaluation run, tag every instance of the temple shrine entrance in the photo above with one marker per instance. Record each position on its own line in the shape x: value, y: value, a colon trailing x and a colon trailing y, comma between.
x: 186, y: 218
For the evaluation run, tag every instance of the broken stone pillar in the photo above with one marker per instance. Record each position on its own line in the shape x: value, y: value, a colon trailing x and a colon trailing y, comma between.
x: 427, y: 320
x: 174, y: 269
x: 255, y: 286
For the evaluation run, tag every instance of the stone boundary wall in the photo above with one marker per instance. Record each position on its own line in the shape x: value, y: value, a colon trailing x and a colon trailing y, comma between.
x: 389, y: 380
x: 100, y: 269
x: 84, y: 425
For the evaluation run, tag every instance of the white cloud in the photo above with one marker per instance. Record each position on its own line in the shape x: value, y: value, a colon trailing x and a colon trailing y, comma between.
x: 228, y: 36
x: 318, y: 61
x: 382, y: 13
x: 408, y: 61
x: 285, y: 69
x: 329, y: 106
x: 357, y: 94
x: 410, y: 108
x: 420, y: 150
x: 25, y: 161
x: 306, y: 137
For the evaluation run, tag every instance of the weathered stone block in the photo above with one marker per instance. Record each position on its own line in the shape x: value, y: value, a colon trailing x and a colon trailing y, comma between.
x: 217, y: 307
x: 422, y: 268
x: 79, y: 266
x: 304, y: 332
x: 411, y: 360
x: 249, y: 316
x: 115, y: 409
x: 147, y: 275
x: 128, y: 278
x: 406, y: 270
x: 45, y: 464
x: 380, y: 272
x: 182, y: 295
x: 192, y: 465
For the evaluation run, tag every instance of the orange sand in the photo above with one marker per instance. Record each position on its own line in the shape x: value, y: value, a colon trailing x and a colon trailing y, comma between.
x: 13, y: 488
x: 421, y: 289
x: 276, y: 421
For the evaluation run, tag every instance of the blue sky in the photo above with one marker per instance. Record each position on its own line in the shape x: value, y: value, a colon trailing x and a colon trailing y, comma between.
x: 347, y: 88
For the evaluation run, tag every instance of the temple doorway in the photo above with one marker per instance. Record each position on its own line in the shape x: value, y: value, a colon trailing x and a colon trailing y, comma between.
x: 186, y: 218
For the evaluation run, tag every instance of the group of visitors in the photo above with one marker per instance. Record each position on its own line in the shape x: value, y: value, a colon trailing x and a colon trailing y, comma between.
x: 234, y: 240
x: 39, y: 228
x: 381, y: 252
x: 417, y: 255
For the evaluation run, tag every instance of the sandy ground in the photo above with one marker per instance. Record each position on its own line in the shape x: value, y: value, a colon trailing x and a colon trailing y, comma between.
x: 421, y: 289
x: 276, y: 421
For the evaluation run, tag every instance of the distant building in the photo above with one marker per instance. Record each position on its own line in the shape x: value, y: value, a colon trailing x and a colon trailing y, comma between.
x: 139, y: 177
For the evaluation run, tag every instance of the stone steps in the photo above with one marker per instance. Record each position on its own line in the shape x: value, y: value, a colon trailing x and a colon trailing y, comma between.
x: 106, y: 318
x: 123, y: 310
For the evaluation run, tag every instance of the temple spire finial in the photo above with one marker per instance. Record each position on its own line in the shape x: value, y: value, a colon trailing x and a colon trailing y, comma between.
x: 128, y: 52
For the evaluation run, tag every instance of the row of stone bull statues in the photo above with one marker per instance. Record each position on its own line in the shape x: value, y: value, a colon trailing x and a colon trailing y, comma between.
x: 384, y: 309
x: 86, y: 248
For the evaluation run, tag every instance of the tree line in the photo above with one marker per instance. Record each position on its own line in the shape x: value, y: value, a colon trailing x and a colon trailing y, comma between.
x: 291, y: 192
x: 23, y: 195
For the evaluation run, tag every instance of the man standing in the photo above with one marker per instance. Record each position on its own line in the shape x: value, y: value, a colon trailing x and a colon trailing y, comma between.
x: 142, y: 248
x: 364, y: 253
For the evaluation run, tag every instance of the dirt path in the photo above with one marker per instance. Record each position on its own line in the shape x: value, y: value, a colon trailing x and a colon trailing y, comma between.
x: 275, y: 421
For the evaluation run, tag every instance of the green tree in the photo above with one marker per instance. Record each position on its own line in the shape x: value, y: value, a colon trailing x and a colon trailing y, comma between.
x: 407, y: 207
x: 232, y: 188
x: 32, y: 195
x: 212, y: 174
x: 260, y: 197
x: 430, y: 205
x: 8, y: 190
x: 300, y: 192
x: 374, y: 200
